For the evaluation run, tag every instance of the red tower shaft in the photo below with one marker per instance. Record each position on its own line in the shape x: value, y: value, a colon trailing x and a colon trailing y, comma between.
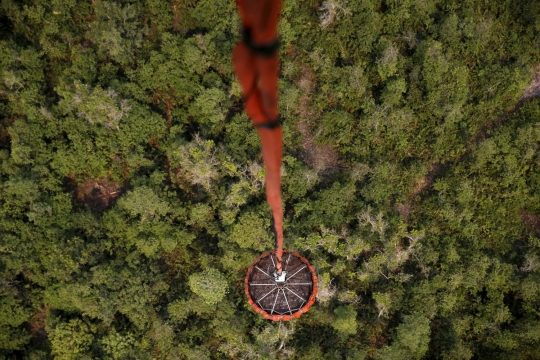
x: 256, y: 65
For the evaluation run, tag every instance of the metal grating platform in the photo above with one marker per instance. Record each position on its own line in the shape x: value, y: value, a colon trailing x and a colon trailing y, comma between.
x: 285, y: 297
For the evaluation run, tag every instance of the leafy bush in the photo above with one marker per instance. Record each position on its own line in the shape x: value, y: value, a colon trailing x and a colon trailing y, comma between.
x: 209, y: 284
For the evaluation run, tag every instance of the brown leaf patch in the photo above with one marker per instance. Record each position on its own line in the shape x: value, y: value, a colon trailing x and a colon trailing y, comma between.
x: 404, y: 211
x: 531, y: 221
x: 37, y: 325
x: 318, y: 157
x: 422, y: 184
x: 426, y: 180
x: 5, y: 139
x: 99, y: 195
x: 533, y: 90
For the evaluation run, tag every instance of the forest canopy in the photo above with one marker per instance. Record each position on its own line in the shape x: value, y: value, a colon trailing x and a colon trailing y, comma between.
x: 132, y: 183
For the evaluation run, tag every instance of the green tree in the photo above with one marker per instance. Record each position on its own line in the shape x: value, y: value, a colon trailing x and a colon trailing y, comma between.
x: 72, y: 339
x: 412, y: 339
x: 117, y: 31
x: 209, y: 284
x: 345, y: 321
x: 96, y: 105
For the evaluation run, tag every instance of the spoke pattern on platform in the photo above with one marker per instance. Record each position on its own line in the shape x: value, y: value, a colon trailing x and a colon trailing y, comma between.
x: 280, y: 298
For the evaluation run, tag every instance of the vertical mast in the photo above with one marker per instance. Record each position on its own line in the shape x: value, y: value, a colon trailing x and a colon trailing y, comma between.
x: 256, y: 65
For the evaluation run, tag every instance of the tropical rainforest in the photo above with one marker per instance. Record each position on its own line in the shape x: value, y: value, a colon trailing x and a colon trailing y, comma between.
x: 132, y: 183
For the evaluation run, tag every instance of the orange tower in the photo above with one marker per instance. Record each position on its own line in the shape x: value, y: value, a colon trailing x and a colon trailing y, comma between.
x: 280, y: 285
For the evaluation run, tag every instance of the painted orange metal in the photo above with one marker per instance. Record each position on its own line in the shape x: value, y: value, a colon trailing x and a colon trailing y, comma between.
x: 297, y: 314
x: 258, y: 75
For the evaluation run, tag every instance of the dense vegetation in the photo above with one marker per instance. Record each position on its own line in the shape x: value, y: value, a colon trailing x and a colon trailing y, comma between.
x: 132, y: 187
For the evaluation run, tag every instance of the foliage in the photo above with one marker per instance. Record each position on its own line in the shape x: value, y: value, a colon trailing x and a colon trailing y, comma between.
x: 210, y: 284
x: 345, y: 320
x: 412, y: 339
x: 97, y: 106
x: 72, y: 339
x: 410, y: 180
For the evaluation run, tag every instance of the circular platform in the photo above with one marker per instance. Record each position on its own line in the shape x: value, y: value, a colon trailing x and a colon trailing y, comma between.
x: 285, y: 297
